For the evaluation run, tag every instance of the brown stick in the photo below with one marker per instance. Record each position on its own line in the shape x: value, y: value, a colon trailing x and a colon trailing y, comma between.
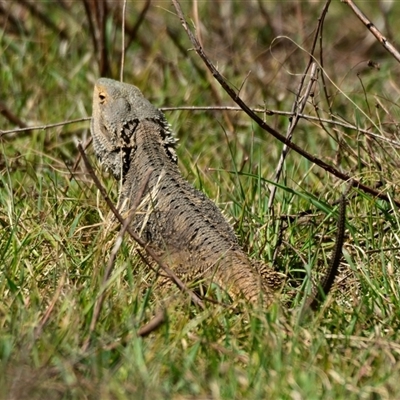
x: 153, y: 324
x: 373, y: 29
x: 297, y: 109
x: 8, y: 114
x: 100, y: 300
x: 140, y: 19
x: 38, y: 330
x: 236, y: 98
x: 299, y: 103
x: 48, y: 126
x: 216, y: 108
x: 144, y: 331
x: 36, y: 12
x: 121, y: 76
x: 321, y: 21
x: 96, y: 12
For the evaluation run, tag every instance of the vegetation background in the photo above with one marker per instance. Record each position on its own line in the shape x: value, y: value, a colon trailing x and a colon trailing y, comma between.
x: 54, y: 242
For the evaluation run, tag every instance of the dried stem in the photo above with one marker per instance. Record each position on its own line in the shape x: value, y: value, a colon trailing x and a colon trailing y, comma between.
x: 373, y: 29
x: 299, y: 102
x: 153, y: 324
x: 96, y: 12
x: 236, y: 98
x: 297, y: 109
x: 43, y: 127
x: 321, y: 21
x: 32, y: 6
x: 217, y: 108
x: 8, y: 114
x: 123, y: 42
x: 100, y: 300
x: 39, y: 329
x: 144, y: 331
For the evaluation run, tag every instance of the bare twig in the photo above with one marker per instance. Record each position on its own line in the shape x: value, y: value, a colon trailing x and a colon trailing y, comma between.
x: 297, y: 109
x: 43, y: 127
x: 107, y: 273
x: 373, y: 29
x: 288, y: 114
x: 123, y: 42
x: 78, y: 157
x: 32, y: 6
x: 96, y: 12
x: 321, y: 21
x: 299, y: 103
x: 8, y: 114
x: 153, y: 324
x: 243, y: 358
x: 216, y: 108
x: 319, y: 293
x: 46, y: 316
x: 144, y: 331
x: 137, y: 238
x: 236, y: 98
x: 132, y: 31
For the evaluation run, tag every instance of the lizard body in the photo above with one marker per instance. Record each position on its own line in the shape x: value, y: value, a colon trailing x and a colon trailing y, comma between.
x: 183, y: 226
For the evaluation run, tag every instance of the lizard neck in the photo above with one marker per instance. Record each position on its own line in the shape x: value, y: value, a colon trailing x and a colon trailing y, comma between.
x: 151, y: 145
x: 148, y: 153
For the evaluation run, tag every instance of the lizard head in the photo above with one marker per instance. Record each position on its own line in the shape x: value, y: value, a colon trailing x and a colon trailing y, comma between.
x: 118, y: 108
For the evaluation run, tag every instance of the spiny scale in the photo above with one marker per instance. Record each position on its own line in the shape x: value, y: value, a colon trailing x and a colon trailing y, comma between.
x: 179, y: 223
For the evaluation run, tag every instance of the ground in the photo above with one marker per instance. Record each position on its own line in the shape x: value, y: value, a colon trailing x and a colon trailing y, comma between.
x: 55, y: 234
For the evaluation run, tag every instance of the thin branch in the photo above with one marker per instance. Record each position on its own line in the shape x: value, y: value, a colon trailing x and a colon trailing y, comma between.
x: 111, y: 262
x: 288, y: 114
x: 96, y: 12
x: 321, y: 21
x: 144, y: 331
x: 373, y: 29
x: 36, y: 12
x: 38, y: 330
x: 43, y: 127
x: 132, y: 31
x: 299, y: 104
x: 8, y: 114
x: 217, y: 108
x: 153, y: 324
x: 78, y: 158
x: 123, y: 42
x: 231, y: 92
x: 297, y: 108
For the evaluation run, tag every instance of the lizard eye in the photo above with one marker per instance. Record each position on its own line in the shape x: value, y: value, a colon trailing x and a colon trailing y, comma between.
x: 102, y: 97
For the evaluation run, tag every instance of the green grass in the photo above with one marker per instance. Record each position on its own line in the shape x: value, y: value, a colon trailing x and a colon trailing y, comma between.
x: 55, y: 241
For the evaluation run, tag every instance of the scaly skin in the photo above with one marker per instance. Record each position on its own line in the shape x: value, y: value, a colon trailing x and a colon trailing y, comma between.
x: 177, y: 221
